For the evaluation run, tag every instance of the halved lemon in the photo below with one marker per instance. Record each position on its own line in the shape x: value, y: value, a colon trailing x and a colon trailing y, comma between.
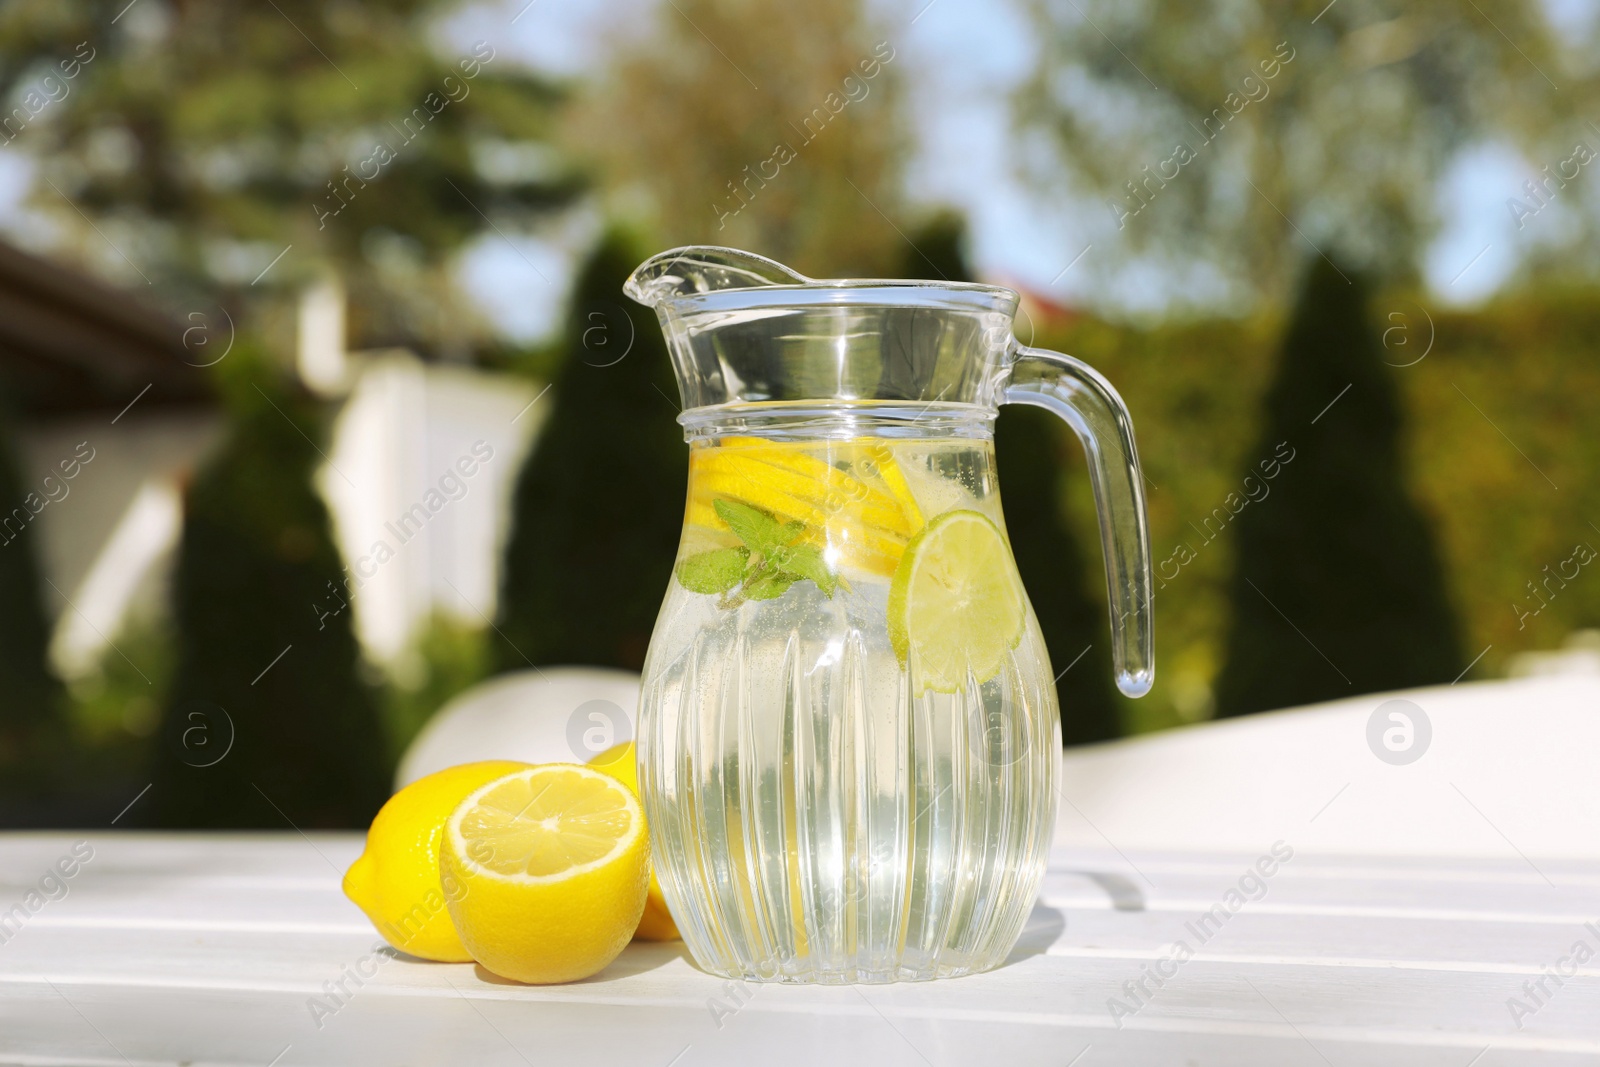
x: 396, y: 880
x: 553, y: 865
x: 956, y: 607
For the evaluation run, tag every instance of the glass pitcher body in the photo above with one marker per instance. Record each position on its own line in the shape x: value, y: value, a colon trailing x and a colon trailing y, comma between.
x: 848, y: 733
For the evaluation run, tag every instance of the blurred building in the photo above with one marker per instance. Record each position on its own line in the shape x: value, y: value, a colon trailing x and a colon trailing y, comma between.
x: 100, y: 385
x: 421, y: 458
x: 419, y: 474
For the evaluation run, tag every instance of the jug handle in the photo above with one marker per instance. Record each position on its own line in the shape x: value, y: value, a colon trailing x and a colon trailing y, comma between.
x: 1088, y: 403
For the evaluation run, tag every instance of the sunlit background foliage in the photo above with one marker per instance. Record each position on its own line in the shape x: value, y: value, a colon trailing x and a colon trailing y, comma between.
x: 1261, y: 200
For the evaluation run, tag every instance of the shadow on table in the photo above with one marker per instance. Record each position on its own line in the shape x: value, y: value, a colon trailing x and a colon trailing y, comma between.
x: 1045, y: 923
x: 1043, y: 927
x: 1124, y: 892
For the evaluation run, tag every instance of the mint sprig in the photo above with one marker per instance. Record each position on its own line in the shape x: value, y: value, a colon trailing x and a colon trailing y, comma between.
x: 772, y: 559
x: 805, y: 561
x: 716, y: 571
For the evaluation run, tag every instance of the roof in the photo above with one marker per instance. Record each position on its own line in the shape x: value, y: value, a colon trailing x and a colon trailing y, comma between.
x: 71, y: 343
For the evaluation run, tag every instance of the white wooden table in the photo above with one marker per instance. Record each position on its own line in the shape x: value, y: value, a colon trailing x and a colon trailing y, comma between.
x: 207, y: 950
x: 1372, y: 945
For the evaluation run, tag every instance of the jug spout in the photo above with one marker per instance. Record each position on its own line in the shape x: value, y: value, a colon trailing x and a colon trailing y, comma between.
x: 704, y: 269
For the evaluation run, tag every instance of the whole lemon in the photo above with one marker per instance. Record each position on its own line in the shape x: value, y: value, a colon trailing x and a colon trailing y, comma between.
x: 553, y: 865
x: 656, y: 924
x: 396, y: 879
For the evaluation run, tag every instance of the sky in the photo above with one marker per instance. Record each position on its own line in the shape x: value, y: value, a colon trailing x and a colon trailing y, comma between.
x: 962, y: 59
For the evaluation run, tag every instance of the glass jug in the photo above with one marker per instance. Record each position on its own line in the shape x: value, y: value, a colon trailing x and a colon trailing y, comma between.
x: 848, y: 732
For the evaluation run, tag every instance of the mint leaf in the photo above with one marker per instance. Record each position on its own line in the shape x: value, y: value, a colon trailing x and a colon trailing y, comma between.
x: 778, y: 561
x: 805, y: 561
x: 716, y: 571
x: 767, y: 585
x: 759, y: 531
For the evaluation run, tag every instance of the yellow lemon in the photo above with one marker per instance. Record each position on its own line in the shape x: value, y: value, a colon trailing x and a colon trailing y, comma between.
x: 396, y: 878
x: 656, y: 924
x: 553, y: 865
x: 862, y: 515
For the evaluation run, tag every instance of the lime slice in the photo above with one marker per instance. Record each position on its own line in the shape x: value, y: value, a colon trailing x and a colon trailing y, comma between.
x: 956, y: 602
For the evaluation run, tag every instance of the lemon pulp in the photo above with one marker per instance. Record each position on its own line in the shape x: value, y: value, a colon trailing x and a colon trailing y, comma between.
x: 546, y: 826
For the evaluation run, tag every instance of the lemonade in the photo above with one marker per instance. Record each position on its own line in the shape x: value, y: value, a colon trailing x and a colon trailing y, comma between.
x: 848, y: 729
x: 848, y: 720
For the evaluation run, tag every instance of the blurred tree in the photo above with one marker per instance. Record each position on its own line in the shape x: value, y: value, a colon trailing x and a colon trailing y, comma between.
x: 30, y: 712
x: 1224, y: 137
x: 937, y: 249
x: 1033, y: 459
x: 201, y: 141
x: 1529, y: 363
x: 1529, y: 360
x: 771, y: 127
x: 599, y: 503
x: 453, y: 656
x: 1337, y: 587
x: 265, y: 710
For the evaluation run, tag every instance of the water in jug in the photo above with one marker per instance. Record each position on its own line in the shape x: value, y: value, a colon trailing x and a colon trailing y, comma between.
x: 848, y: 732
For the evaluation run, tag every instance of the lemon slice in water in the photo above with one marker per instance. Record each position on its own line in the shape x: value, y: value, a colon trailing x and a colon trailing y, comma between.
x: 864, y: 515
x: 956, y: 608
